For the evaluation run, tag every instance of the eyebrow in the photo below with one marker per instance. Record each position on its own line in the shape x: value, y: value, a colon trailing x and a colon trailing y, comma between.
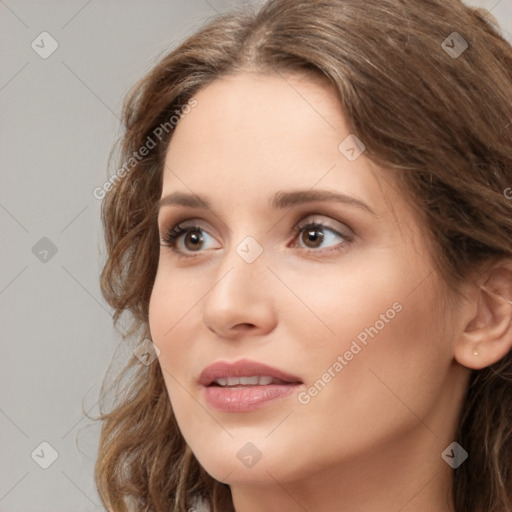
x: 280, y: 200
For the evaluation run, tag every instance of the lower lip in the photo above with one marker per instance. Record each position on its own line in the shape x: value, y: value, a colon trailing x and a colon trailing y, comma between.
x: 244, y: 399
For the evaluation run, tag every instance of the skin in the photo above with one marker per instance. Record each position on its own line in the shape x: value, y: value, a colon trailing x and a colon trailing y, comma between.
x: 371, y: 439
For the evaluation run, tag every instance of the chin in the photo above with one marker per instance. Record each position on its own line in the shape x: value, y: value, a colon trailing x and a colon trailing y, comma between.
x: 238, y: 462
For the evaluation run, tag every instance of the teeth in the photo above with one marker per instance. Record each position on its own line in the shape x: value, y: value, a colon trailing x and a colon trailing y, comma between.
x: 256, y: 380
x: 250, y: 381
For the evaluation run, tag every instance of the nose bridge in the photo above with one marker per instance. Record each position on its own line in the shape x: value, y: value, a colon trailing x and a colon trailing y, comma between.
x: 238, y: 295
x: 243, y: 264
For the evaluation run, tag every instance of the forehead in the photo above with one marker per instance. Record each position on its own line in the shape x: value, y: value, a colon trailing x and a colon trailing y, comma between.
x: 251, y: 135
x: 251, y: 110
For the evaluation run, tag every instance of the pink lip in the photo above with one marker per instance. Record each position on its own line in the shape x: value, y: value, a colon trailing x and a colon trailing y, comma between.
x: 247, y: 398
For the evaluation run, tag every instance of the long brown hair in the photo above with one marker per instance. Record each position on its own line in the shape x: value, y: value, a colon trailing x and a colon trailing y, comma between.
x: 441, y: 120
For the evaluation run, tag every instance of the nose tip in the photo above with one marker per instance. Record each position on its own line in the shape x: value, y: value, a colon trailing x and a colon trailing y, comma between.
x: 239, y: 302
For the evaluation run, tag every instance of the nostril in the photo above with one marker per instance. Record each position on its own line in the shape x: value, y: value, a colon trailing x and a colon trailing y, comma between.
x: 244, y: 326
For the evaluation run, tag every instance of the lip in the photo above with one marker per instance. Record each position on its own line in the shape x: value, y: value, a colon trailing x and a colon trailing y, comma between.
x: 243, y: 368
x: 246, y: 398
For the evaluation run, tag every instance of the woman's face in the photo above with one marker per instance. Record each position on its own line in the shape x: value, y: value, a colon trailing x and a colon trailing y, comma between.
x: 336, y: 295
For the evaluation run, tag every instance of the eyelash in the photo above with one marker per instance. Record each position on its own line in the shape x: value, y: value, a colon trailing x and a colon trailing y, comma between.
x: 173, y: 234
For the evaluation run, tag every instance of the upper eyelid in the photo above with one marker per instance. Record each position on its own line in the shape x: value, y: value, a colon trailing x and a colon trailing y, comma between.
x: 165, y: 225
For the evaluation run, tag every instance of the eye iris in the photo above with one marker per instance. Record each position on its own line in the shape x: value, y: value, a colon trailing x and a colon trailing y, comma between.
x: 194, y: 236
x: 313, y: 235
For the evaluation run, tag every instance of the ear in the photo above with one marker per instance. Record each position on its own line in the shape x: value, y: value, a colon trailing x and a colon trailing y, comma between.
x: 487, y: 334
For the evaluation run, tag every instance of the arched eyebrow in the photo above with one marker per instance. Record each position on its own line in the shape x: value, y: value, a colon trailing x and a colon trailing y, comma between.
x: 280, y: 200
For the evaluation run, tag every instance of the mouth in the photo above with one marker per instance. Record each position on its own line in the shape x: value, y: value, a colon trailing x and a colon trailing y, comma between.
x: 245, y: 385
x: 256, y: 380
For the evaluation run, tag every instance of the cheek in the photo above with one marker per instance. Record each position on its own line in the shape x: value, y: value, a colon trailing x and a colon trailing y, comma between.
x: 342, y: 303
x: 168, y: 320
x: 376, y: 345
x: 386, y: 366
x: 168, y: 315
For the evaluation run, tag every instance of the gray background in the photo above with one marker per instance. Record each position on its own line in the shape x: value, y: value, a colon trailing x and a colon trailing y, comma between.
x: 60, y: 116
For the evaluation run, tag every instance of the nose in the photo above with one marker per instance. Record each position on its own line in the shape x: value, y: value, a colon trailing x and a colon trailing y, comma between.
x: 240, y: 301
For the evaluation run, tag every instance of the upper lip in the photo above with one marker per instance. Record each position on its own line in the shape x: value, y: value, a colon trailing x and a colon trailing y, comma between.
x: 243, y: 368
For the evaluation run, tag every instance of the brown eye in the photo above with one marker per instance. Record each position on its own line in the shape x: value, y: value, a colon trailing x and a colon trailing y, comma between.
x: 313, y: 237
x: 186, y: 239
x: 193, y: 240
x: 317, y: 235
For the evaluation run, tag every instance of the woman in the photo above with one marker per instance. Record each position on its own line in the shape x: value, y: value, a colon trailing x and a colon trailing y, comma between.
x: 312, y: 228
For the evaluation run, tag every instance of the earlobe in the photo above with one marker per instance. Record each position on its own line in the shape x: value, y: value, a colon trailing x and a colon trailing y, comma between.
x: 487, y: 336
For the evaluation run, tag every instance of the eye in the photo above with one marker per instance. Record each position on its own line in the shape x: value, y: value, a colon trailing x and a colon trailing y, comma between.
x: 187, y: 239
x: 315, y: 233
x: 193, y: 239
